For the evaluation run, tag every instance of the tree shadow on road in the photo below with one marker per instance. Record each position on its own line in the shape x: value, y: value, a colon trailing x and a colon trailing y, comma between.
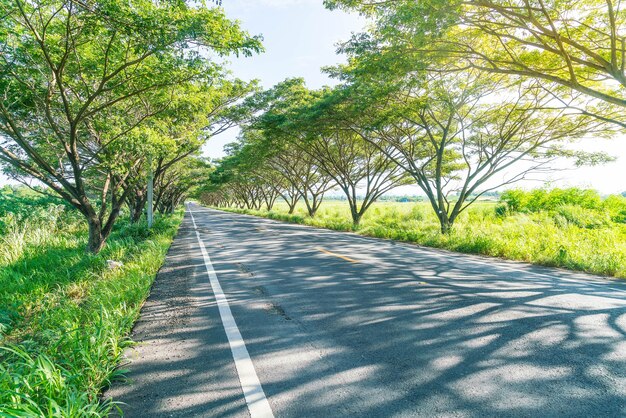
x: 403, y: 332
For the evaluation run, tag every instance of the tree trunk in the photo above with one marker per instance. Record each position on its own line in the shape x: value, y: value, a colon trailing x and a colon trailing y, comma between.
x: 96, y: 239
x: 137, y: 211
x: 356, y: 218
x: 314, y: 206
x: 445, y: 223
x: 356, y: 214
x: 136, y: 207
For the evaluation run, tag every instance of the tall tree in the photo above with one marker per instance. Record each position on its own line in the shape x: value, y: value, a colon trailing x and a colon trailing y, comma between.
x: 303, y: 174
x: 76, y: 78
x: 305, y: 119
x: 268, y: 116
x: 464, y: 134
x: 358, y: 168
x: 182, y: 180
x: 197, y: 112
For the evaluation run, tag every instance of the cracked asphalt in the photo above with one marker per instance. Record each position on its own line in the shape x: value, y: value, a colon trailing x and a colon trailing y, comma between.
x: 342, y: 325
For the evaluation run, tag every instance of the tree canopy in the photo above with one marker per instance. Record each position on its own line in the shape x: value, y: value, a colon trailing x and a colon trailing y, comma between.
x: 574, y: 48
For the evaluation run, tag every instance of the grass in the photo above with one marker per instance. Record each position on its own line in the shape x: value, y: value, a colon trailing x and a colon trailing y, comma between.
x: 567, y: 236
x: 64, y: 315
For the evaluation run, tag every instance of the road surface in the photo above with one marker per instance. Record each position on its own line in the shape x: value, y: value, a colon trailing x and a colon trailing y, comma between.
x: 333, y: 324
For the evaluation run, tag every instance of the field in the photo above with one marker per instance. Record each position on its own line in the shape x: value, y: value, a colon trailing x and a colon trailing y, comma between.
x: 64, y: 314
x: 588, y: 234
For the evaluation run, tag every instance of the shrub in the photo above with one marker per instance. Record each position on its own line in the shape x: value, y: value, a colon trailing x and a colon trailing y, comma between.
x: 501, y: 210
x: 518, y: 200
x: 615, y: 205
x: 620, y: 217
x: 515, y: 200
x: 583, y: 218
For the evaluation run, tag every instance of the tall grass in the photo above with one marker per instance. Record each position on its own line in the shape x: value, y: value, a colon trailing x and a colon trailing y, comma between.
x: 64, y: 315
x: 589, y: 237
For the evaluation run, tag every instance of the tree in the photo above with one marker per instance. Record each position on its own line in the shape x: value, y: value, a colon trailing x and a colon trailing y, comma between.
x: 77, y: 78
x: 464, y: 134
x: 265, y: 117
x: 180, y: 181
x: 302, y: 119
x: 258, y: 159
x: 291, y: 171
x: 357, y: 167
x: 197, y: 112
x: 241, y: 176
x: 303, y: 174
x: 520, y: 106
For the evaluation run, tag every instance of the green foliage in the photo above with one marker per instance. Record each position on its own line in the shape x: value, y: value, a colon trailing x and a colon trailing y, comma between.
x: 583, y: 218
x: 557, y: 42
x: 467, y: 90
x: 518, y: 200
x: 64, y: 316
x: 501, y: 210
x: 615, y: 205
x: 19, y: 204
x: 581, y: 207
x: 514, y: 201
x: 90, y: 88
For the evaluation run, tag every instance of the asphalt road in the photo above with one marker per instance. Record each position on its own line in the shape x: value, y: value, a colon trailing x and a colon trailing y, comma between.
x: 341, y: 325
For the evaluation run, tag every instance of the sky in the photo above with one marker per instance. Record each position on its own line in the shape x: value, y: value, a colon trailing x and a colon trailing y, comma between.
x: 300, y: 37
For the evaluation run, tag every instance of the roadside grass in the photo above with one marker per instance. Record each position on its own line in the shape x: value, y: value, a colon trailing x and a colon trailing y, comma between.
x: 568, y: 236
x: 64, y: 315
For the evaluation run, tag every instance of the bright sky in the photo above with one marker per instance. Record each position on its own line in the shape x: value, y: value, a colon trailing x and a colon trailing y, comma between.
x: 300, y: 37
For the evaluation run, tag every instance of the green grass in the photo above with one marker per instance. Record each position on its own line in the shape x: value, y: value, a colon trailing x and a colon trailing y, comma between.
x: 64, y: 315
x: 568, y: 236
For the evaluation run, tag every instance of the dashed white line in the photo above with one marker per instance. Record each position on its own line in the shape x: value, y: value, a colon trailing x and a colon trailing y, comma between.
x: 253, y: 392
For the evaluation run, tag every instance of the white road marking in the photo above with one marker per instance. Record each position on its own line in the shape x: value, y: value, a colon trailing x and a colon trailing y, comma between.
x: 258, y: 405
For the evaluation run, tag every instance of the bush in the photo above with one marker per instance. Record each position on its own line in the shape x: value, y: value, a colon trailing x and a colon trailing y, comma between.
x: 501, y: 210
x: 620, y: 217
x: 583, y: 218
x: 616, y: 207
x: 515, y: 200
x: 518, y: 200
